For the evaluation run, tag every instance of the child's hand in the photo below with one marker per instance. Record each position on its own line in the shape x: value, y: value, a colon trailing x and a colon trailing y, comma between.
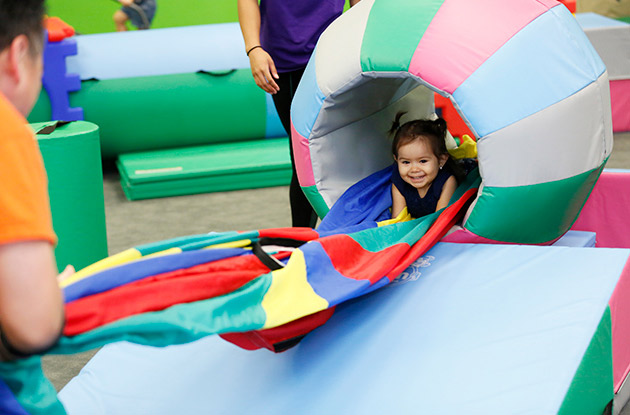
x: 65, y: 274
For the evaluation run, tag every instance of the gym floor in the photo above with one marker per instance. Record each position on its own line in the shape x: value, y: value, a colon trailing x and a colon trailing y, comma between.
x: 144, y: 221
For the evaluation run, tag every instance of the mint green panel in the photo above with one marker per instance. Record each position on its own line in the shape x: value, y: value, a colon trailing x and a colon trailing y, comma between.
x: 593, y: 387
x: 148, y: 113
x: 394, y: 29
x: 316, y: 200
x: 72, y: 159
x: 531, y: 214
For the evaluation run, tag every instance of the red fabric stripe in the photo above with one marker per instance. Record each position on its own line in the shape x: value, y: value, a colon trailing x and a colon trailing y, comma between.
x: 161, y: 291
x: 350, y: 258
x: 302, y: 234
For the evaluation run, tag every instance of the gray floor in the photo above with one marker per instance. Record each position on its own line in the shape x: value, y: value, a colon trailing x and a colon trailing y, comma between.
x: 134, y: 223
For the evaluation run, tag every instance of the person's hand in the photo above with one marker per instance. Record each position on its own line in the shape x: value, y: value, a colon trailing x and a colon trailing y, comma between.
x: 65, y: 274
x: 126, y: 3
x: 264, y: 70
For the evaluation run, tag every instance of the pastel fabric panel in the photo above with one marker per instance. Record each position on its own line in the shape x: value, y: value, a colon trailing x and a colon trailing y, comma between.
x: 341, y: 44
x: 453, y: 314
x: 561, y: 141
x: 541, y: 212
x: 302, y: 158
x: 464, y: 34
x: 307, y: 101
x: 541, y: 73
x: 389, y: 44
x: 139, y: 53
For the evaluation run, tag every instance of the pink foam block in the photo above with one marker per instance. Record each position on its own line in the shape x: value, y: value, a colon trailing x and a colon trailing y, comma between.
x: 620, y: 103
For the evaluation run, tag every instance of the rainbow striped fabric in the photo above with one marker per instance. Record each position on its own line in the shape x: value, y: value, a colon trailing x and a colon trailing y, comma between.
x: 180, y: 290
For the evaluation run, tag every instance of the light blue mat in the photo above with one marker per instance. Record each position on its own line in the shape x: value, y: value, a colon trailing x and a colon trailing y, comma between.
x: 469, y: 329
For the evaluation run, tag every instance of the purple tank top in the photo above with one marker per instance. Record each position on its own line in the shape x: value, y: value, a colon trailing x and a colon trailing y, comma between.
x: 289, y: 29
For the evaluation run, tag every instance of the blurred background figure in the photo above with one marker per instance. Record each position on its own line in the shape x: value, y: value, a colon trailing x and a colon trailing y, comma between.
x: 140, y: 12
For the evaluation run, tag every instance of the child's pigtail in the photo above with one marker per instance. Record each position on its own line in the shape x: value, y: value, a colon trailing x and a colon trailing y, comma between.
x: 396, y: 124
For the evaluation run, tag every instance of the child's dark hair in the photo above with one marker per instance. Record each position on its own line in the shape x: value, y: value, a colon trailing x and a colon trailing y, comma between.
x: 434, y: 131
x: 22, y: 17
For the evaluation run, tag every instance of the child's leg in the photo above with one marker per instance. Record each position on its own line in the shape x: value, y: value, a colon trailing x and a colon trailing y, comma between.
x: 120, y: 20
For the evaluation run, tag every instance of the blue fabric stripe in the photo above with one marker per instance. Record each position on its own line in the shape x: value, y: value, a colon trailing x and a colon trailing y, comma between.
x: 327, y: 282
x: 308, y: 100
x: 549, y: 60
x: 8, y: 403
x: 124, y: 274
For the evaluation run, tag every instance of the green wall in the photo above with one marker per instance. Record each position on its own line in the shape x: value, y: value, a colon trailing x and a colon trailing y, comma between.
x: 95, y: 16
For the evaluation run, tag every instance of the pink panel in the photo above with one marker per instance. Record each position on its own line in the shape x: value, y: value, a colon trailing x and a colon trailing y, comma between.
x: 607, y: 210
x: 619, y: 312
x: 302, y: 156
x: 464, y: 33
x: 620, y: 103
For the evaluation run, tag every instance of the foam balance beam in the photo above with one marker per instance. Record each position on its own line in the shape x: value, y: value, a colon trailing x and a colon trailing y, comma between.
x: 468, y: 329
x: 72, y: 158
x: 205, y: 169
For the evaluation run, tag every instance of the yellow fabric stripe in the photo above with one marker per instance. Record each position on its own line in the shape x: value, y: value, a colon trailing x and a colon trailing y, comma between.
x: 290, y: 296
x: 403, y: 216
x: 169, y: 251
x: 234, y: 244
x: 109, y: 262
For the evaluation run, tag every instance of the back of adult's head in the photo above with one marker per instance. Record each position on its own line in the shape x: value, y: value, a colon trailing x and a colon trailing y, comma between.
x: 21, y: 17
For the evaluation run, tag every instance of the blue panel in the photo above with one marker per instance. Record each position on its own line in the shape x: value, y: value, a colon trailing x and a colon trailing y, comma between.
x: 472, y: 329
x: 307, y: 101
x: 215, y: 47
x: 546, y: 62
x: 273, y: 126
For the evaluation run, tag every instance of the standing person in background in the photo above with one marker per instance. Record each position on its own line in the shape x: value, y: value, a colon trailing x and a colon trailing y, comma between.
x: 280, y: 36
x: 140, y: 12
x: 31, y: 304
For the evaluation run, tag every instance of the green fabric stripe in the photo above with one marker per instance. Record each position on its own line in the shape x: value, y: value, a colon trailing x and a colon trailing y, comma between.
x: 189, y: 243
x: 316, y: 200
x: 377, y: 239
x: 593, y: 387
x: 30, y: 387
x: 388, y: 42
x: 531, y: 214
x: 182, y: 323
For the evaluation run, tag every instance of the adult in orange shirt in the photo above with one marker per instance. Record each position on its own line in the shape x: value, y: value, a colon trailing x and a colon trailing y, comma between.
x: 31, y: 304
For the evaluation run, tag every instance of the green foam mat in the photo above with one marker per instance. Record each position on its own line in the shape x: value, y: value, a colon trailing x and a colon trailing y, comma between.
x: 205, y: 169
x: 72, y: 158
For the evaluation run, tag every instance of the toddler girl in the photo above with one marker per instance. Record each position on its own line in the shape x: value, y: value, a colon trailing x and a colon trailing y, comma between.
x: 424, y: 176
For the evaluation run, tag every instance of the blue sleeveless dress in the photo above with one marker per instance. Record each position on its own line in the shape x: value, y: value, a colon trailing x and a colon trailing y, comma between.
x: 420, y: 206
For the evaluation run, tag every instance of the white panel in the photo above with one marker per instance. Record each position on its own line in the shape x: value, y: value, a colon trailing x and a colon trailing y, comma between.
x: 338, y: 52
x: 351, y: 153
x: 565, y: 139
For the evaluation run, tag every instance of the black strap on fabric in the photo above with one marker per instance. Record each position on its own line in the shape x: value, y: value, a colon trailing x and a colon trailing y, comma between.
x: 269, y: 261
x: 52, y: 127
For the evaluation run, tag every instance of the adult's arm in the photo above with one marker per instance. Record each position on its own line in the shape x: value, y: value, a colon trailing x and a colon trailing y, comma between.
x: 353, y: 2
x: 31, y: 303
x: 261, y: 63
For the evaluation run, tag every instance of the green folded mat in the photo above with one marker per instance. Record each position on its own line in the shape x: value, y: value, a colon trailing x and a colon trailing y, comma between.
x: 205, y: 169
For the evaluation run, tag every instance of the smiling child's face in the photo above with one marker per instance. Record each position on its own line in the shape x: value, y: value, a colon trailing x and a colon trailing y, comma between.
x: 418, y: 165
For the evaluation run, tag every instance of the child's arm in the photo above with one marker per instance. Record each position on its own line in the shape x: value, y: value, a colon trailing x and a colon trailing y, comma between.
x: 447, y: 193
x: 398, y: 202
x: 126, y: 3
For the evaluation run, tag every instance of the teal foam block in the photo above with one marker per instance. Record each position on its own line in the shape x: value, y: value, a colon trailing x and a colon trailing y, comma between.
x: 204, y: 169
